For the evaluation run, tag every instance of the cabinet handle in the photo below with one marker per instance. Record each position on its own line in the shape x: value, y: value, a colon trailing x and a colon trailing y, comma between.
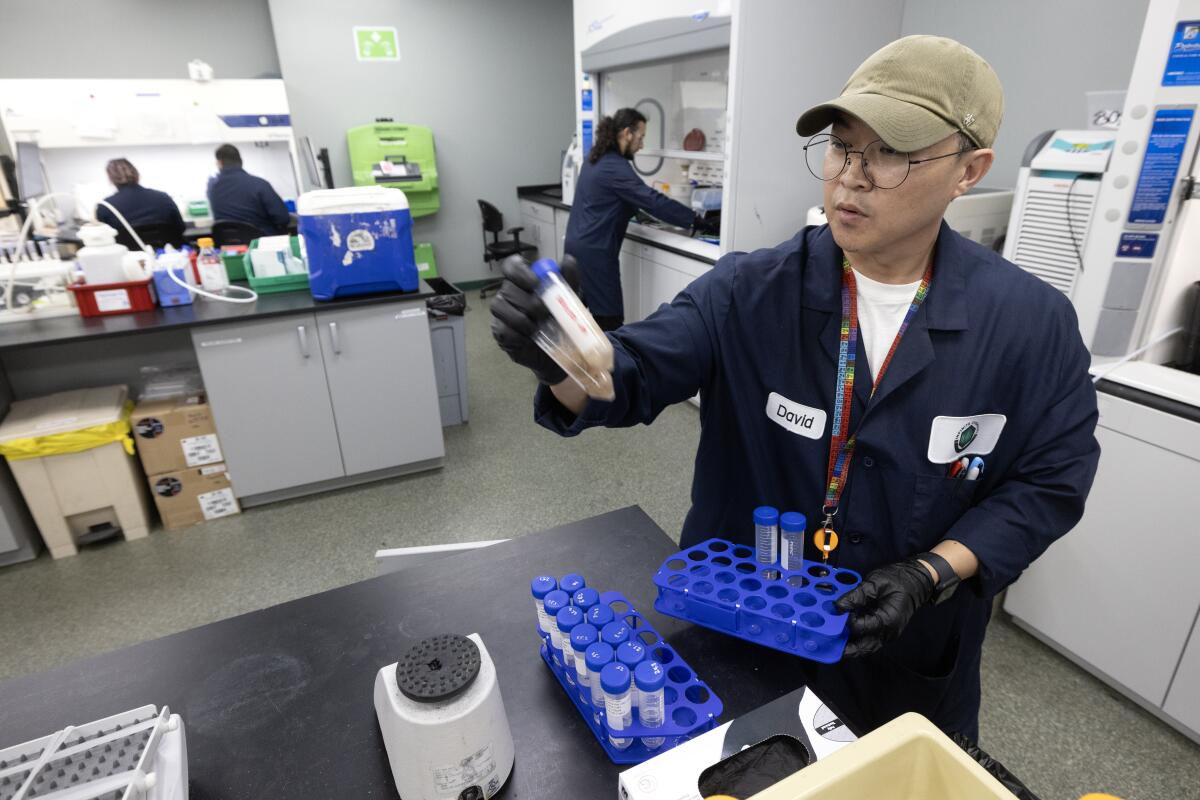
x: 337, y: 340
x: 300, y: 329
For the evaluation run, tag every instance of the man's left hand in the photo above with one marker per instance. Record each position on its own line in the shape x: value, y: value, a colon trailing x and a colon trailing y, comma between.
x: 881, y: 606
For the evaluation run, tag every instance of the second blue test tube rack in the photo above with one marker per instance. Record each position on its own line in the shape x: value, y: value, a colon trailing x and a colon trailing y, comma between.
x: 718, y: 584
x: 690, y: 706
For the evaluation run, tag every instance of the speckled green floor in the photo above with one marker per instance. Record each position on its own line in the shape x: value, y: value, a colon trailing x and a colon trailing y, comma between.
x: 1051, y: 723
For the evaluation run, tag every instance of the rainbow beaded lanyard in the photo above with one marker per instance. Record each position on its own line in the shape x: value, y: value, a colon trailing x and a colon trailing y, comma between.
x: 841, y: 443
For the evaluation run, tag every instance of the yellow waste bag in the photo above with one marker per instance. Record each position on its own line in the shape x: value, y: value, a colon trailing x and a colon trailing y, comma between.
x: 57, y: 444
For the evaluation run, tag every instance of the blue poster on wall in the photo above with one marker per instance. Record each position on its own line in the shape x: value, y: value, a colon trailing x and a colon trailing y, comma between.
x: 1183, y: 62
x: 1160, y: 166
x: 587, y: 137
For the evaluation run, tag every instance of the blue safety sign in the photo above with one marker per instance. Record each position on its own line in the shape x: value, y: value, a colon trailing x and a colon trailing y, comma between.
x: 1137, y: 245
x: 1160, y: 166
x: 1183, y: 62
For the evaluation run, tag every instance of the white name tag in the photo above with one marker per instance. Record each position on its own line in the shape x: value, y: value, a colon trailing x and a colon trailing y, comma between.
x: 951, y: 438
x: 803, y: 420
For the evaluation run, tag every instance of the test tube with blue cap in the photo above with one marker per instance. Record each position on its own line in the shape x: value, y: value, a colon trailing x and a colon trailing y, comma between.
x: 541, y: 586
x: 615, y: 634
x: 792, y: 524
x: 649, y: 679
x: 585, y: 599
x: 631, y: 654
x: 572, y: 583
x: 766, y: 534
x: 583, y: 636
x: 618, y: 703
x: 568, y: 618
x: 600, y: 615
x: 553, y: 603
x: 598, y: 656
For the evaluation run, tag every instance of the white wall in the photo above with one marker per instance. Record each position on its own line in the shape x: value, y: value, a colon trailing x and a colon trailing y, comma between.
x: 1047, y: 54
x: 492, y: 79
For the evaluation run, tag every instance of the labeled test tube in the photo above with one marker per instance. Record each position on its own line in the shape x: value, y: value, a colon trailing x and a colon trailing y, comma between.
x: 572, y: 583
x: 618, y: 702
x: 600, y: 615
x: 568, y: 618
x: 553, y: 603
x: 585, y: 599
x: 615, y: 634
x: 766, y: 534
x: 791, y: 525
x: 541, y: 586
x: 598, y: 656
x: 583, y: 636
x: 649, y: 678
x: 631, y: 654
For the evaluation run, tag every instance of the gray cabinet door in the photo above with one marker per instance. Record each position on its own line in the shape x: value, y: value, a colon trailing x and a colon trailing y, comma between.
x: 380, y: 366
x: 266, y: 385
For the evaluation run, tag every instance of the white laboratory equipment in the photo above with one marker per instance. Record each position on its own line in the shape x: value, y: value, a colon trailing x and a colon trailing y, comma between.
x: 572, y: 163
x: 1131, y: 297
x: 443, y: 720
x: 139, y: 754
x: 101, y: 258
x: 1054, y: 201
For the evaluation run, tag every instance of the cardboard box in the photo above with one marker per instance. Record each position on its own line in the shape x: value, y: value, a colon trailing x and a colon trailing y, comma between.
x: 174, y: 434
x: 187, y: 496
x: 797, y: 726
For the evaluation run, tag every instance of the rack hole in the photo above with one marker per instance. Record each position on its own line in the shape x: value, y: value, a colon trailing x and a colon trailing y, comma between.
x: 679, y: 674
x: 724, y: 561
x: 676, y: 564
x: 664, y: 655
x: 696, y: 694
x: 750, y: 584
x: 670, y: 695
x: 677, y: 581
x: 805, y: 599
x: 701, y: 570
x: 846, y: 578
x: 782, y: 610
x: 728, y: 595
x: 683, y: 716
x: 702, y: 587
x: 776, y: 591
x: 754, y: 603
x: 697, y: 555
x: 745, y: 567
x: 718, y: 547
x: 818, y: 571
x: 812, y: 619
x: 725, y: 577
x: 825, y: 588
x: 742, y: 552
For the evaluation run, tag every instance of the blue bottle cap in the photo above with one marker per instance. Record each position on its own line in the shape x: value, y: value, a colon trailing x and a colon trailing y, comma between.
x: 597, y: 656
x: 568, y: 618
x: 572, y: 583
x: 544, y: 266
x: 766, y: 515
x: 584, y: 636
x: 556, y: 601
x: 614, y: 633
x: 793, y: 522
x: 600, y: 615
x: 585, y: 598
x: 631, y: 654
x: 614, y: 678
x: 649, y: 676
x: 542, y: 585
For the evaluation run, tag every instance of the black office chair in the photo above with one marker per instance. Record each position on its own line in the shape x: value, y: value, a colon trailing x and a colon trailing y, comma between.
x: 497, y: 249
x: 232, y: 231
x: 155, y: 234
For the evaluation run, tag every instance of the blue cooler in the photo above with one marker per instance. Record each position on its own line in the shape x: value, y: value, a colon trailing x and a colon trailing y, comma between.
x: 357, y: 240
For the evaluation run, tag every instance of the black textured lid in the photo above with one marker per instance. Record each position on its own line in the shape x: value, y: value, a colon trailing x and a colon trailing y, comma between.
x: 438, y: 668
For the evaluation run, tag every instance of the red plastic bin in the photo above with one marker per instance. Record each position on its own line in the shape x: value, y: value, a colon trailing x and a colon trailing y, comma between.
x: 107, y: 299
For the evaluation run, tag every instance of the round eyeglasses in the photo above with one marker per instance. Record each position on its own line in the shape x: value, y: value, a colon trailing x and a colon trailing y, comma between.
x: 828, y: 157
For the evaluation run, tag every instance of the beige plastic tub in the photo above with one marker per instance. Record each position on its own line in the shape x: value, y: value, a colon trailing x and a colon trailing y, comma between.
x: 906, y: 759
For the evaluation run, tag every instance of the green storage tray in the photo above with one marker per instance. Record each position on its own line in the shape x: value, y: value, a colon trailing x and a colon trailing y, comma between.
x: 426, y: 265
x: 281, y: 283
x: 235, y: 265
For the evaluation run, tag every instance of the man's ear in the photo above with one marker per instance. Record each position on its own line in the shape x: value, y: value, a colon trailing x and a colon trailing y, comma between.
x: 976, y: 165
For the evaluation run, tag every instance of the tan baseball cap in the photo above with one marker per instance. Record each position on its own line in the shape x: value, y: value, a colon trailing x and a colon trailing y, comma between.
x: 915, y: 92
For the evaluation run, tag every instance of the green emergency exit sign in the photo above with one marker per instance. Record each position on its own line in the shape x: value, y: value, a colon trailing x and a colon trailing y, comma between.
x: 376, y: 44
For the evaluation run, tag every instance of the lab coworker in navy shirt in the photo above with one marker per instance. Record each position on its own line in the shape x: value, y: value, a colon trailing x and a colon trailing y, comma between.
x: 235, y: 194
x: 137, y: 204
x: 991, y: 365
x: 608, y: 193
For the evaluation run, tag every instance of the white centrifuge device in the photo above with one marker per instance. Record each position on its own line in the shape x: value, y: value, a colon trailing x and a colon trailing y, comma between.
x: 443, y: 721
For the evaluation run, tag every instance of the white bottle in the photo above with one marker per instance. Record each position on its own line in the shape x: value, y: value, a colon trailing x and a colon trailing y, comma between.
x: 571, y: 336
x: 213, y: 277
x: 101, y: 258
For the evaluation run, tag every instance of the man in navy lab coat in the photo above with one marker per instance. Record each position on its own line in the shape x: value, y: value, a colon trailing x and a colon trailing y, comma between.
x: 234, y: 194
x: 988, y: 363
x: 139, y: 205
x: 607, y: 195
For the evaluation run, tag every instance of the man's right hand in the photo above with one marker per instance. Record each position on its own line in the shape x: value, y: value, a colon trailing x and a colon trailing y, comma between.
x: 517, y: 311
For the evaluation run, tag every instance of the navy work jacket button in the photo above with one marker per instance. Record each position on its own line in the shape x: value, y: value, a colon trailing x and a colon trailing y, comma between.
x: 856, y: 538
x: 868, y: 462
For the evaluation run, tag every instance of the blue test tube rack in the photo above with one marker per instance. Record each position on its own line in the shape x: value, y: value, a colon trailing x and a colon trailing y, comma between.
x: 691, y: 707
x: 718, y: 584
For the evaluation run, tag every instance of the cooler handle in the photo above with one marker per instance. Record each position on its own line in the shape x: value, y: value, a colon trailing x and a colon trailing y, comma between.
x: 337, y: 341
x: 300, y: 329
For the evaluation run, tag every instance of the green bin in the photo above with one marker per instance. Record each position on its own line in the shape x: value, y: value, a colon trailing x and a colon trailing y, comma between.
x: 426, y: 265
x: 280, y: 283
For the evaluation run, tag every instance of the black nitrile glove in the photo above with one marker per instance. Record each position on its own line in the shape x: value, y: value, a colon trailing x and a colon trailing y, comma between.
x: 516, y: 312
x: 703, y: 226
x: 883, y: 604
x: 994, y: 767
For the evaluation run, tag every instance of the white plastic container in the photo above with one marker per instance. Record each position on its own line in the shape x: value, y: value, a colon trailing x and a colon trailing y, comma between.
x: 101, y: 258
x: 570, y: 334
